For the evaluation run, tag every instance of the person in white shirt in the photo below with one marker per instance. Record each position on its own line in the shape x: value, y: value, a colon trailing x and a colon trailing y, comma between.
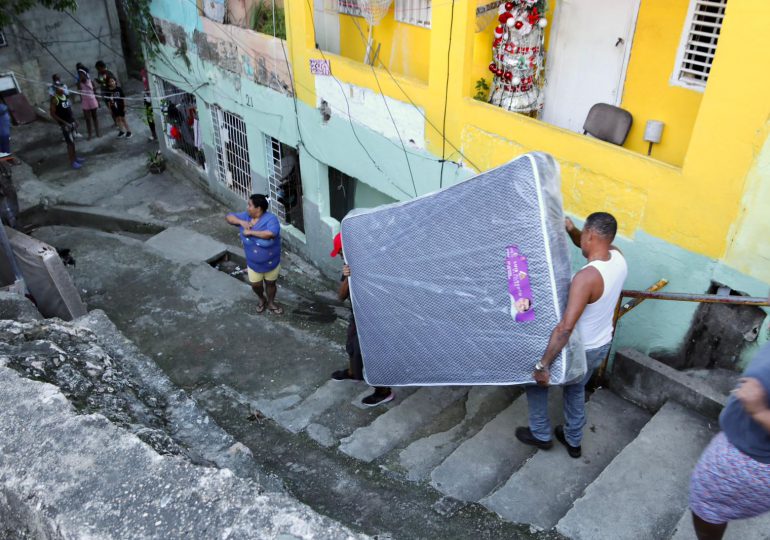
x: 593, y: 294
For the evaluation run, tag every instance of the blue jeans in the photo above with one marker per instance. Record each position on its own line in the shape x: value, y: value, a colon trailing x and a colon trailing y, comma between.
x: 5, y: 144
x: 574, y: 403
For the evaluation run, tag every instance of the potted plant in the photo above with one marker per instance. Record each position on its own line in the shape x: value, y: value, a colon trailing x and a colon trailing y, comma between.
x: 156, y: 163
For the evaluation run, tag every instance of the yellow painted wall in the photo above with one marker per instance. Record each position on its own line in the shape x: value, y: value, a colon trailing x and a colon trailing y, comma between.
x: 749, y: 249
x: 405, y: 48
x: 695, y: 206
x: 648, y: 93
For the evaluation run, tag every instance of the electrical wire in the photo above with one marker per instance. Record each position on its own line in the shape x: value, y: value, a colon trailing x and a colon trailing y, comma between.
x: 446, y: 93
x: 125, y: 98
x: 296, y: 110
x: 71, y: 16
x: 416, y: 107
x: 37, y: 40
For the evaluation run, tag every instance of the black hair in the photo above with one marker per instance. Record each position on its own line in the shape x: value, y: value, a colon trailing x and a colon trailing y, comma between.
x: 602, y: 223
x: 259, y: 201
x: 100, y: 64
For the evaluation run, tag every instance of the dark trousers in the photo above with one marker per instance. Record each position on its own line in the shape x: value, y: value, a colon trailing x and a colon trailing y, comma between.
x: 353, y: 348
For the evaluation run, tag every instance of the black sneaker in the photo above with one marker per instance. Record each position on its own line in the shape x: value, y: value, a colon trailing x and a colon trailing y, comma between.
x: 342, y: 375
x: 120, y: 134
x: 573, y: 451
x: 377, y: 398
x: 525, y: 436
x: 129, y: 134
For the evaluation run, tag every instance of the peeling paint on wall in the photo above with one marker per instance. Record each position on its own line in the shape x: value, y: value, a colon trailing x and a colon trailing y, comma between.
x: 258, y: 57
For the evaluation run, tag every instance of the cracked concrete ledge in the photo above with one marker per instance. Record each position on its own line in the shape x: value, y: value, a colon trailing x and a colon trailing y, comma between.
x: 65, y: 475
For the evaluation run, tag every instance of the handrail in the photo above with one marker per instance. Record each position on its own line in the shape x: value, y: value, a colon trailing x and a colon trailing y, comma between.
x: 652, y: 293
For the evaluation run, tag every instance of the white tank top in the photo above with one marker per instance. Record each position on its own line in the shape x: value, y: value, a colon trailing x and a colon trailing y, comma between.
x: 595, y: 324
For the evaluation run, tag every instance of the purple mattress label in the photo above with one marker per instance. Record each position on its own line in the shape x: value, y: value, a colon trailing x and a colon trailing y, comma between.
x: 518, y: 285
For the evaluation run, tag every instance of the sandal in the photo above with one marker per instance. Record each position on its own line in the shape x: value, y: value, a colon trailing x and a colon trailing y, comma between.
x: 261, y: 307
x: 278, y: 310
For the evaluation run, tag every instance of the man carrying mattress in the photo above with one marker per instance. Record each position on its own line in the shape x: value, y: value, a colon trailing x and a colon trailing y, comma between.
x: 593, y: 295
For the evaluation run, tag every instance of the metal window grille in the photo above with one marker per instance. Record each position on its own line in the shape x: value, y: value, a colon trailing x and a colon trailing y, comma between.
x: 349, y: 7
x: 180, y: 110
x: 415, y: 12
x: 274, y: 157
x: 284, y: 182
x: 233, y: 164
x: 699, y: 44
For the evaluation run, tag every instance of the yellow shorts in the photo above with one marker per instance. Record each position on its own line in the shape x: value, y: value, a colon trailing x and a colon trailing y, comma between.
x: 257, y: 277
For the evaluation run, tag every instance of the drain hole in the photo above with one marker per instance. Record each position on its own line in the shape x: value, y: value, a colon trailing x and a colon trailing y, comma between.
x: 232, y: 265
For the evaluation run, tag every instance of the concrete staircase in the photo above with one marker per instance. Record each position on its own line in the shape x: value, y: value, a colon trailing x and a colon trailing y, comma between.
x: 631, y: 482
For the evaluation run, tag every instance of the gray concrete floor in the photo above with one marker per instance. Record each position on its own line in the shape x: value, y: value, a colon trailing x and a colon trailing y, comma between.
x: 201, y: 327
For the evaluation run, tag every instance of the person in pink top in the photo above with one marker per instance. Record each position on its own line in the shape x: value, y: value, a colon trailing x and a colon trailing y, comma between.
x: 88, y: 101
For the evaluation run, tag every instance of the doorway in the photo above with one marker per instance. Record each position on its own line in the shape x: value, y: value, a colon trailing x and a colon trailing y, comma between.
x: 587, y: 59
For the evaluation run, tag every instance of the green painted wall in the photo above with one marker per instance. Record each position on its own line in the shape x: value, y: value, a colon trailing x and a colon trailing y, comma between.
x: 654, y: 326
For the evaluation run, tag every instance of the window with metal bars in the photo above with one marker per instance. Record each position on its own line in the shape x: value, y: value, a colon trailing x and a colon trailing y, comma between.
x: 415, y: 12
x: 699, y: 42
x: 284, y: 181
x: 349, y: 7
x: 232, y: 146
x: 180, y: 121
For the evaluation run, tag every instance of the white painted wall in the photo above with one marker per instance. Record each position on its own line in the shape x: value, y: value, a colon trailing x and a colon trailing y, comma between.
x: 368, y: 108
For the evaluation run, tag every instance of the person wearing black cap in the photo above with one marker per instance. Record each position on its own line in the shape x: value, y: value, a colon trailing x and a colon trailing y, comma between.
x: 355, y: 370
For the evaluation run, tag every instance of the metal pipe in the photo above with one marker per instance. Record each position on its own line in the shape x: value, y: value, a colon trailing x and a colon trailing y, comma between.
x: 631, y: 304
x: 701, y: 298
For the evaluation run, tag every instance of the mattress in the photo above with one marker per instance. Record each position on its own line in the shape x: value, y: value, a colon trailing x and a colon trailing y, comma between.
x: 465, y: 285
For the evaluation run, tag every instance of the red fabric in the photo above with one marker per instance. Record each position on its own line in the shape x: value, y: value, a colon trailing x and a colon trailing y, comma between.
x: 175, y: 133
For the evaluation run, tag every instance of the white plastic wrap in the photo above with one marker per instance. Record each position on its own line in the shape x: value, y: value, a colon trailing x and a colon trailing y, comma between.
x: 436, y: 281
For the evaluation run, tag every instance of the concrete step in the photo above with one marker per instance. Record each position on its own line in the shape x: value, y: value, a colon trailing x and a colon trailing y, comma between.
x: 327, y: 396
x: 643, y: 492
x: 399, y: 423
x: 544, y: 488
x: 757, y: 528
x: 456, y: 424
x: 336, y: 423
x: 487, y: 459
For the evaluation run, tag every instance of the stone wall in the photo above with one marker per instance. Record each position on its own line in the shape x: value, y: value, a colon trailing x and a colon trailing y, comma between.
x: 66, y: 43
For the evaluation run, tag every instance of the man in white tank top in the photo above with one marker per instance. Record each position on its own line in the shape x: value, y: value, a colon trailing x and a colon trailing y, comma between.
x: 593, y: 294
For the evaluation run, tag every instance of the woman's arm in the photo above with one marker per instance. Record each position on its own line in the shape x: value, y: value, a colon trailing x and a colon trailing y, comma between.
x: 753, y: 397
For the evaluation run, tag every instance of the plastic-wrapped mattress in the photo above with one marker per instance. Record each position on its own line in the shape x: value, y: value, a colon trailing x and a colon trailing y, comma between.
x: 464, y: 286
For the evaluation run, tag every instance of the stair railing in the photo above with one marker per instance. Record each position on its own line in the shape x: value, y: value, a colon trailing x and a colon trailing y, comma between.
x: 653, y: 293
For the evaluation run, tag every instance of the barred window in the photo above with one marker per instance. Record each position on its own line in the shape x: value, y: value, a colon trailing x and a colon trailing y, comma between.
x: 699, y: 42
x: 415, y: 12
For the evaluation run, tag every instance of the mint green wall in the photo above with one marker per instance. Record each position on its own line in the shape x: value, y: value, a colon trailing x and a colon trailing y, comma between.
x: 654, y: 326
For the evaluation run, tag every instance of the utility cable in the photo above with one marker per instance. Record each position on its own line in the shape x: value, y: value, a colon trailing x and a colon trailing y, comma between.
x: 71, y: 16
x: 416, y: 107
x: 446, y: 93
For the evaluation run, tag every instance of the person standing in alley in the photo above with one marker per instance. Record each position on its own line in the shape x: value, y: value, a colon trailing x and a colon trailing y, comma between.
x: 88, y: 101
x: 355, y: 369
x: 732, y: 478
x: 260, y: 233
x: 61, y: 112
x: 103, y: 75
x: 116, y: 100
x: 148, y: 112
x: 593, y: 294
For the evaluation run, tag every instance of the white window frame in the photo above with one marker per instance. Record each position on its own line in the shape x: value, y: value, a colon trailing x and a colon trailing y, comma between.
x: 349, y: 7
x: 240, y: 183
x: 678, y: 78
x: 273, y: 159
x: 415, y: 12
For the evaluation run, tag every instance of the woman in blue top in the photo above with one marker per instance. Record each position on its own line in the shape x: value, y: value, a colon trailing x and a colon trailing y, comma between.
x: 732, y: 478
x: 260, y: 234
